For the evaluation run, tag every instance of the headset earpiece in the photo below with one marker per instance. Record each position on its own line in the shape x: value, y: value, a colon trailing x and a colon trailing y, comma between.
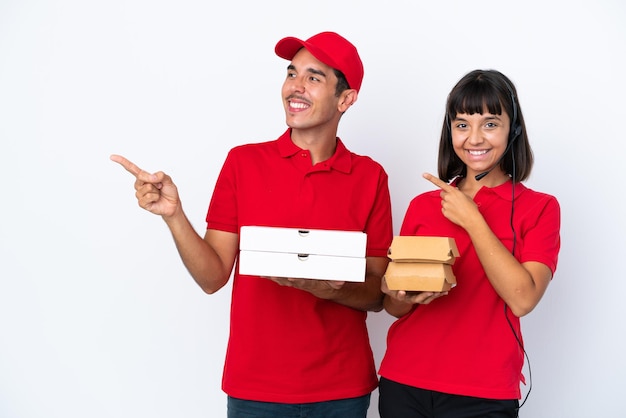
x: 516, y: 128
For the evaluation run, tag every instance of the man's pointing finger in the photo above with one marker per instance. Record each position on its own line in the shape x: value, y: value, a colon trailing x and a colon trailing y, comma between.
x: 129, y: 166
x: 139, y: 174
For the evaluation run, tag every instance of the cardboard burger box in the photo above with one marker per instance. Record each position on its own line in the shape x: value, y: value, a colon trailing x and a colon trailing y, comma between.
x: 432, y: 277
x: 302, y: 253
x: 421, y: 263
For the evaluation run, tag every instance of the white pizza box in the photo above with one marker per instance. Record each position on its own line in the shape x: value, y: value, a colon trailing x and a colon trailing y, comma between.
x: 303, y: 266
x: 302, y: 253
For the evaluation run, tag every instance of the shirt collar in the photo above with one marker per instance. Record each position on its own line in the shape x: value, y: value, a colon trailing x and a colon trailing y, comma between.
x: 503, y: 191
x: 341, y: 160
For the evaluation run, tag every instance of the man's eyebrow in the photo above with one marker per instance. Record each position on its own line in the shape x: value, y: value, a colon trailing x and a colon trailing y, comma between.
x: 316, y: 71
x: 309, y: 70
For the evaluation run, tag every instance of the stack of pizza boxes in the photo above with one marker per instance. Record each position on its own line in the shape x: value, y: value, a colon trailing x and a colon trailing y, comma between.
x: 421, y: 264
x: 302, y: 253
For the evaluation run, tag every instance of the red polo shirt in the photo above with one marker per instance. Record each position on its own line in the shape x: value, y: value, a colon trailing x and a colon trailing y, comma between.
x: 462, y: 343
x: 287, y: 345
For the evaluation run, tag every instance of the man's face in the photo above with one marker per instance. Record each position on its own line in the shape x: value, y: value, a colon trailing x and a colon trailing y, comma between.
x: 309, y: 93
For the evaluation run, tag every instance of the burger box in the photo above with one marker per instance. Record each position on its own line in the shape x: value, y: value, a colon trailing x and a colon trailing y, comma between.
x: 431, y: 277
x: 421, y: 263
x: 302, y: 253
x: 423, y: 249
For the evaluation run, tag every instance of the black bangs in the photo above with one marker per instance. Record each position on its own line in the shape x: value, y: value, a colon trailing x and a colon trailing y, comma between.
x: 476, y: 96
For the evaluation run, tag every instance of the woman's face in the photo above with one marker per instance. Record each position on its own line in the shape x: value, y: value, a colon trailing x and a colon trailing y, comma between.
x: 479, y: 140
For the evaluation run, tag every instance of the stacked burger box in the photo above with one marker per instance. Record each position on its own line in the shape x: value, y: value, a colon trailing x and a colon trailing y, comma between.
x: 421, y: 263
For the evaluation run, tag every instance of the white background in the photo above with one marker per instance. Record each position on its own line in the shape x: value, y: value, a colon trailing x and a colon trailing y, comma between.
x: 98, y: 317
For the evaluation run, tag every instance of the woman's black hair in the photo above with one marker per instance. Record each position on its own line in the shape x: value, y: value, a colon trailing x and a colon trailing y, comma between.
x: 477, y: 92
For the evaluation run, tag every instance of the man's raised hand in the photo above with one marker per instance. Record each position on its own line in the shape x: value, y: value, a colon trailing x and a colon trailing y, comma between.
x: 156, y: 192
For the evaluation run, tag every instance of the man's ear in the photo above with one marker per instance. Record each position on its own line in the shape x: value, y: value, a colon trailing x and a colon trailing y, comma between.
x: 347, y: 99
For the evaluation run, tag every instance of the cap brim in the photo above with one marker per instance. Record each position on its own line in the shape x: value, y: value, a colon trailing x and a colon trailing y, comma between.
x: 288, y: 47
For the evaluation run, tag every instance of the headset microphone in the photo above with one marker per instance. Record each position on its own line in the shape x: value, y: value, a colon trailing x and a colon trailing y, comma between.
x: 516, y: 130
x: 508, y: 146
